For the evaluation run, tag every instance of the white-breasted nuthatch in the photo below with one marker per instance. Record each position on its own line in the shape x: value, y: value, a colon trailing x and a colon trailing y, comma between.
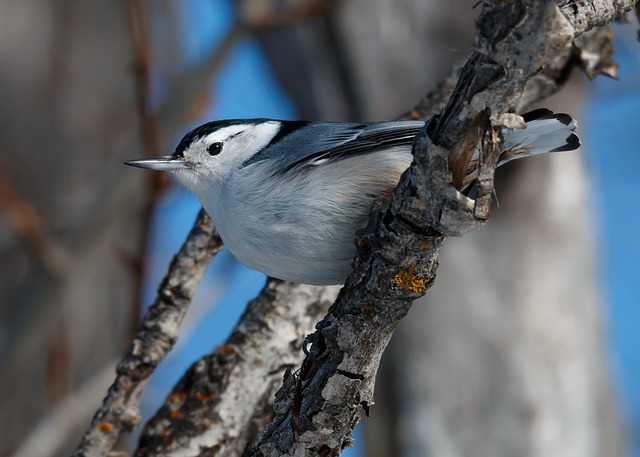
x: 287, y: 197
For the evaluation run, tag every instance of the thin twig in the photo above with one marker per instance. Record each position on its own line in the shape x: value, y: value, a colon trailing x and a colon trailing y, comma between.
x: 270, y: 14
x: 29, y: 226
x: 157, y: 182
x: 192, y: 85
x: 40, y: 298
x: 142, y: 55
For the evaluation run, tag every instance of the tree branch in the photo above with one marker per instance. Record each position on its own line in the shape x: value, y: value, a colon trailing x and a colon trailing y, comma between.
x: 225, y: 399
x: 583, y: 16
x: 28, y: 224
x: 119, y: 411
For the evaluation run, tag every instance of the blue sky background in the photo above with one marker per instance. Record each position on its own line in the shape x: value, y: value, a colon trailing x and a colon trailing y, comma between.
x: 245, y: 87
x: 612, y: 134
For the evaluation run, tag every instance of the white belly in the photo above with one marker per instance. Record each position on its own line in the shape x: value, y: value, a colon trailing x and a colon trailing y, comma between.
x: 302, y: 229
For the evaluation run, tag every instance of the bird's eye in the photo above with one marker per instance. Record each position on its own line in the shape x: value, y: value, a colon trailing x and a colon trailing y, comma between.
x: 215, y: 148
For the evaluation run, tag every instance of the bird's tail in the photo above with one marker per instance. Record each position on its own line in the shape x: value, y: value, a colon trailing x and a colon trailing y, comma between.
x: 545, y: 132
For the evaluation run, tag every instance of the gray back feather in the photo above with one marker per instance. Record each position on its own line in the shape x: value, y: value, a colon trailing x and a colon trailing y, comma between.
x: 309, y: 144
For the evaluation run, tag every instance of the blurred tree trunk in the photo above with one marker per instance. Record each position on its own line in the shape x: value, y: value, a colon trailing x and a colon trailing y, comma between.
x: 67, y: 294
x: 507, y: 361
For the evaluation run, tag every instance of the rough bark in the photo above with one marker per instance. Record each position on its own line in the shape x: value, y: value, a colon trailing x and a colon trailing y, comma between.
x: 119, y: 412
x: 225, y: 399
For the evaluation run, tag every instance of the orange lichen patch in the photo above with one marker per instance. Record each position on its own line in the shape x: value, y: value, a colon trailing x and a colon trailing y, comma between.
x: 368, y: 310
x: 176, y: 413
x: 177, y: 397
x: 106, y: 427
x: 407, y: 279
x: 414, y: 115
x: 203, y: 397
x: 425, y: 244
x: 227, y: 349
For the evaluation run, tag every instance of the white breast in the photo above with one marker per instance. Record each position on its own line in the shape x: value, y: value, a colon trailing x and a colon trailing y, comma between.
x: 302, y: 228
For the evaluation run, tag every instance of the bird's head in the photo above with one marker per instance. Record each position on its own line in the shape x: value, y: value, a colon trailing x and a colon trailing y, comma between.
x: 209, y: 154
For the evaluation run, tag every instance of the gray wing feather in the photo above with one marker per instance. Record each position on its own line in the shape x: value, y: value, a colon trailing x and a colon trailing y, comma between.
x: 317, y: 142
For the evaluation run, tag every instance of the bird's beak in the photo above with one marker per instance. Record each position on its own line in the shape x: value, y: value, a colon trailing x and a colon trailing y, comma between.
x: 164, y: 163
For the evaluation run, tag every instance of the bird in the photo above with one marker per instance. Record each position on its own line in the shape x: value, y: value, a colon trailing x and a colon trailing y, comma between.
x: 288, y: 197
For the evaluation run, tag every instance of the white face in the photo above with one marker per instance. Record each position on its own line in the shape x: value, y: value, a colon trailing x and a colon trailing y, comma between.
x: 233, y: 145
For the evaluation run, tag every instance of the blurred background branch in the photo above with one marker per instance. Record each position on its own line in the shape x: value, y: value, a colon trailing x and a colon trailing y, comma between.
x: 31, y: 228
